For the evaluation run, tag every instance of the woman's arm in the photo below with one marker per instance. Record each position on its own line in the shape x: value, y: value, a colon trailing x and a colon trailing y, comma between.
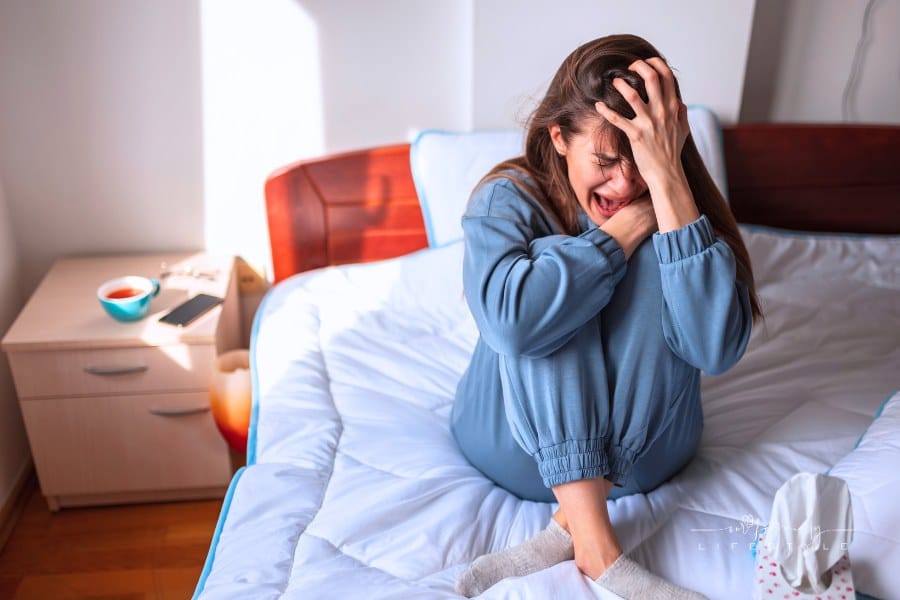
x: 529, y: 293
x: 706, y: 313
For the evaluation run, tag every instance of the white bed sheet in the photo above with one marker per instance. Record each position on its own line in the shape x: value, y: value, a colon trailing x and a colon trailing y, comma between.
x: 357, y: 489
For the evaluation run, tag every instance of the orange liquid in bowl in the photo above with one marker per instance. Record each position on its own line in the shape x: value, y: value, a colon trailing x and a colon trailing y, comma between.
x: 122, y: 293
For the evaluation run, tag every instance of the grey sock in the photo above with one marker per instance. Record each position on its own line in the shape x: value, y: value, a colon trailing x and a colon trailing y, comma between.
x: 551, y: 546
x: 632, y: 581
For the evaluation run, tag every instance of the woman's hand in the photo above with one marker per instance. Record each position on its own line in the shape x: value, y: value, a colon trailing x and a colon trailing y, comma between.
x: 632, y: 224
x: 659, y: 128
x: 657, y: 134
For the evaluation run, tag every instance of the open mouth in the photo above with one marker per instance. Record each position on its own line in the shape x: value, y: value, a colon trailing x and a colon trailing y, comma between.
x: 608, y: 207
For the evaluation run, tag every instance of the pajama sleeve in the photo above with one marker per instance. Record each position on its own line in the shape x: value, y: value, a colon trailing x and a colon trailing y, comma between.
x: 529, y: 292
x: 706, y: 314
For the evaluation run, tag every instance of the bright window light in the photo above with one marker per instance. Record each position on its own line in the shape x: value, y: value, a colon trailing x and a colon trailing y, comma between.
x: 262, y: 108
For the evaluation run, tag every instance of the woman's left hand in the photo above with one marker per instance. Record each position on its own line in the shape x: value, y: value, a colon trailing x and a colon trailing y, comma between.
x: 660, y: 126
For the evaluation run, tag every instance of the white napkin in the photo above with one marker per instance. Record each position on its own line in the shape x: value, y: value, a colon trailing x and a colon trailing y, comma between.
x: 810, y: 529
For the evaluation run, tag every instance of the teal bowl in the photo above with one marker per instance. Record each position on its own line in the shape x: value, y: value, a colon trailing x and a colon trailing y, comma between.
x: 127, y: 298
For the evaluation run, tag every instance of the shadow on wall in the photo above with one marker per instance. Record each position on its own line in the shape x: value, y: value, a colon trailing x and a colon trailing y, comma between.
x: 763, y: 60
x: 14, y: 454
x: 823, y: 62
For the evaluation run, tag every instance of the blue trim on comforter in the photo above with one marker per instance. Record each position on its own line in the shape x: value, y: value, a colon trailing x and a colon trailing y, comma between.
x: 251, y: 447
x: 220, y: 524
x: 254, y: 377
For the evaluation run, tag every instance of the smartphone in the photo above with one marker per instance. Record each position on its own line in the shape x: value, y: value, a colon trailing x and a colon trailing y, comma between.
x: 191, y: 309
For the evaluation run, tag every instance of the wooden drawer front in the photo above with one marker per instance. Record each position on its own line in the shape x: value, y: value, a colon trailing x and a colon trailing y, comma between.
x: 68, y: 373
x: 118, y: 444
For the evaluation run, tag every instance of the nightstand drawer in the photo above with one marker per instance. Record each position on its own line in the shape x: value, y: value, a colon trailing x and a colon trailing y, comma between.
x: 67, y: 373
x: 118, y: 444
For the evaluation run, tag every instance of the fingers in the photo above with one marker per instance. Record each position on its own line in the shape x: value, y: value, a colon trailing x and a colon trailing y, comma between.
x: 683, y: 118
x: 662, y: 91
x: 651, y: 81
x: 665, y: 74
x: 662, y: 96
x: 615, y: 118
x: 631, y: 96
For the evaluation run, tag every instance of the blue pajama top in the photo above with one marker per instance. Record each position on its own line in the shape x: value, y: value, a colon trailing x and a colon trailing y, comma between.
x: 587, y: 355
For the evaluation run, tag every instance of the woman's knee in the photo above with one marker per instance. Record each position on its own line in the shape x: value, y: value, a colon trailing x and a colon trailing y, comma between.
x: 669, y: 453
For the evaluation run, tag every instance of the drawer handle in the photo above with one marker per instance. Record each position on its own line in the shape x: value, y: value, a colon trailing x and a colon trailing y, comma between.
x: 113, y: 371
x: 178, y: 412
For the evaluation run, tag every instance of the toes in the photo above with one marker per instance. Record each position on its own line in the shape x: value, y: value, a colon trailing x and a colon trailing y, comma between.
x: 466, y: 584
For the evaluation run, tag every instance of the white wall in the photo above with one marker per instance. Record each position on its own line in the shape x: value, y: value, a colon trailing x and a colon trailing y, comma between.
x: 392, y: 67
x: 262, y: 108
x: 286, y: 79
x: 13, y: 444
x: 383, y: 70
x: 100, y: 119
x: 802, y: 55
x: 519, y: 44
x: 136, y: 126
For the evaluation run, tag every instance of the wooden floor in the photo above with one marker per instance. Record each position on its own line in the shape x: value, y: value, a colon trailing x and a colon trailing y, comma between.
x: 125, y: 552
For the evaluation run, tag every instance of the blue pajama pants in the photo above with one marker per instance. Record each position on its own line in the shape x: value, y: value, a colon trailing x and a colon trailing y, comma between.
x: 489, y: 446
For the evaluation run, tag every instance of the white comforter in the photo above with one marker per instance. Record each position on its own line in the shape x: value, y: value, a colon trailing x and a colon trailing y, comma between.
x: 356, y: 487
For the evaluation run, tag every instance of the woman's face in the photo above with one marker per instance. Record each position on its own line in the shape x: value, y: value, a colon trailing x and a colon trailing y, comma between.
x: 603, y: 181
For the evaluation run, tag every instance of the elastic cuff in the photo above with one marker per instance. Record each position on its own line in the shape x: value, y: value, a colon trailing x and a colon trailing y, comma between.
x: 610, y: 248
x: 572, y: 460
x: 693, y: 238
x: 621, y: 460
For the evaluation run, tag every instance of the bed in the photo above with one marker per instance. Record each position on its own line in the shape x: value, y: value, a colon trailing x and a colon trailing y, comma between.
x: 354, y: 487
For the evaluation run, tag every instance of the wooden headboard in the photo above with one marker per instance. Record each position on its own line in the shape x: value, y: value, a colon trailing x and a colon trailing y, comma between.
x: 362, y: 206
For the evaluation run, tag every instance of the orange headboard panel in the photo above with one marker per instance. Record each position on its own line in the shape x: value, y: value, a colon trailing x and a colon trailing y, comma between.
x: 352, y: 207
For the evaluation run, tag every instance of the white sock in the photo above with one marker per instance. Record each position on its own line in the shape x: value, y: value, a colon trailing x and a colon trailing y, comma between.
x: 551, y: 546
x: 631, y: 581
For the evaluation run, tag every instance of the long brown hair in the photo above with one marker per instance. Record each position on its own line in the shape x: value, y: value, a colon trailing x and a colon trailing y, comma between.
x: 584, y: 78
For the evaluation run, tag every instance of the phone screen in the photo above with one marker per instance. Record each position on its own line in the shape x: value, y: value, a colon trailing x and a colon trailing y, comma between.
x: 190, y: 309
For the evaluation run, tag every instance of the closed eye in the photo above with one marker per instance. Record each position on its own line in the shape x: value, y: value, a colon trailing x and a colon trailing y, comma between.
x: 604, y: 160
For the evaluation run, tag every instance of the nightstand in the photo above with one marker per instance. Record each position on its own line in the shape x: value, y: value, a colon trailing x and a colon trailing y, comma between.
x: 119, y: 412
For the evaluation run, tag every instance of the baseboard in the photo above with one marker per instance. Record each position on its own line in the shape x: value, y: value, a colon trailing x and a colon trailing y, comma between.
x: 15, y: 503
x: 107, y: 499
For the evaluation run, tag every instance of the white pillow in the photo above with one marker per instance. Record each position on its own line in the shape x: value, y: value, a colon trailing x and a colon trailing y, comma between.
x: 871, y: 472
x: 707, y: 134
x: 446, y: 166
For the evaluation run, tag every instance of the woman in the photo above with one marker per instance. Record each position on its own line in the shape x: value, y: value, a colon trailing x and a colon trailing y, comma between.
x: 605, y: 272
